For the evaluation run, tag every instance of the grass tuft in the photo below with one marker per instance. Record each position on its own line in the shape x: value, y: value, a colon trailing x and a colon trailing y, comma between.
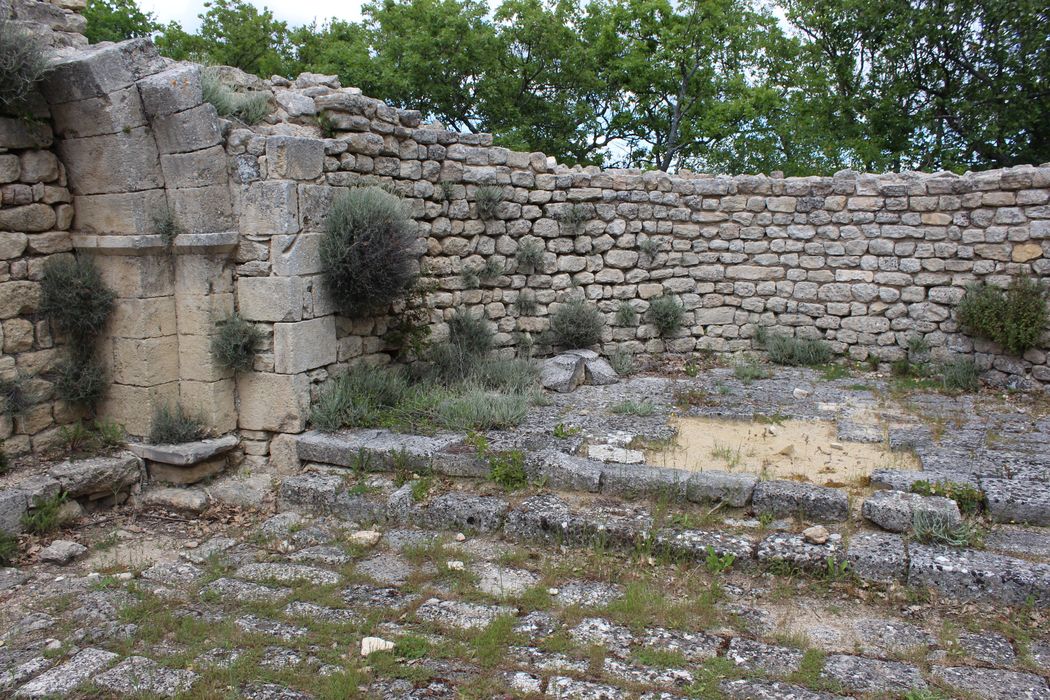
x: 794, y: 352
x: 173, y: 425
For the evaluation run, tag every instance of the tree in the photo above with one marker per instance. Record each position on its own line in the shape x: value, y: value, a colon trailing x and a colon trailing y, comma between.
x: 117, y: 20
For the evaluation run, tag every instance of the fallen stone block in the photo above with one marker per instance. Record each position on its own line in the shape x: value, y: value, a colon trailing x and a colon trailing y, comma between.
x: 896, y: 510
x: 1012, y: 501
x: 796, y: 552
x: 61, y: 552
x: 13, y: 507
x: 559, y: 470
x: 791, y: 498
x: 326, y: 494
x: 106, y: 475
x: 184, y: 453
x: 877, y: 556
x: 563, y: 373
x: 188, y: 500
x: 721, y: 487
x: 971, y: 575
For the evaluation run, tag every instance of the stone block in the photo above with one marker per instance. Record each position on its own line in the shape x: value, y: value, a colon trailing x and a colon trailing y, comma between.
x: 800, y: 553
x: 143, y: 318
x: 212, y: 401
x: 791, y: 498
x: 191, y: 130
x: 18, y: 298
x: 721, y: 487
x: 992, y: 683
x: 203, y: 209
x: 304, y: 345
x: 185, y: 474
x: 296, y: 255
x: 294, y: 158
x: 198, y: 315
x: 278, y: 299
x: 642, y: 480
x: 694, y: 544
x: 85, y: 477
x: 133, y: 406
x: 174, y: 90
x: 202, y: 274
x: 196, y: 360
x: 13, y: 505
x: 95, y: 116
x: 563, y: 373
x: 146, y: 361
x: 39, y: 166
x: 860, y: 674
x: 562, y: 471
x: 270, y: 207
x: 10, y: 168
x: 18, y: 133
x: 974, y: 575
x: 896, y: 510
x: 121, y: 162
x: 185, y: 453
x: 99, y: 70
x: 1014, y: 501
x: 124, y: 213
x: 275, y: 402
x: 463, y: 512
x: 30, y: 218
x: 877, y: 556
x: 196, y: 169
x: 12, y: 244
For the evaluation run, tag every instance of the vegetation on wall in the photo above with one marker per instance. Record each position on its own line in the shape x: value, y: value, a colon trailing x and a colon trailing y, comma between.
x: 666, y: 312
x: 23, y: 64
x: 172, y: 424
x: 236, y: 343
x: 77, y: 301
x: 1015, y: 317
x: 366, y: 251
x: 793, y: 352
x: 577, y: 324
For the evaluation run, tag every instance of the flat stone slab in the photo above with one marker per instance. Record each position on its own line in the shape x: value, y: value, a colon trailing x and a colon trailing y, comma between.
x: 757, y: 656
x: 989, y: 647
x: 312, y: 611
x: 258, y: 625
x: 884, y: 637
x: 647, y: 676
x: 537, y: 624
x: 796, y: 551
x: 714, y: 486
x: 235, y: 589
x: 896, y: 511
x: 540, y: 660
x: 597, y: 630
x: 694, y: 646
x: 878, y: 556
x: 563, y: 471
x: 137, y: 674
x: 588, y: 594
x: 377, y: 597
x: 1023, y: 541
x: 994, y: 684
x: 172, y: 573
x: 61, y: 552
x: 271, y: 691
x: 215, y: 547
x: 464, y: 511
x: 572, y: 689
x: 287, y: 573
x: 372, y: 450
x: 904, y: 480
x: 391, y: 569
x: 504, y: 582
x: 970, y: 574
x: 1011, y: 501
x: 865, y: 675
x: 184, y: 453
x: 65, y: 677
x: 323, y: 554
x: 460, y: 614
x: 107, y: 475
x: 696, y: 544
x: 563, y: 373
x: 771, y: 690
x: 181, y: 499
x: 548, y: 517
x: 791, y: 498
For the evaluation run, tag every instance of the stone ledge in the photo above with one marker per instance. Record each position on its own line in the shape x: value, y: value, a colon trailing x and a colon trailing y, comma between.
x: 141, y: 244
x: 184, y: 453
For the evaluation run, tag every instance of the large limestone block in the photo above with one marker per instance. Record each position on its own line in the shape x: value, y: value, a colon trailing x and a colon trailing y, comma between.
x: 296, y: 255
x: 187, y: 131
x: 108, y: 114
x: 121, y: 162
x: 174, y: 90
x: 213, y: 402
x: 197, y: 169
x: 306, y: 345
x: 275, y: 402
x: 137, y: 277
x: 270, y: 298
x: 30, y: 218
x: 198, y: 314
x: 146, y: 361
x: 270, y: 207
x: 125, y: 213
x: 39, y: 166
x: 100, y: 69
x: 19, y: 133
x: 202, y: 274
x: 294, y: 158
x: 84, y: 477
x: 18, y: 298
x: 133, y: 406
x: 197, y: 362
x: 203, y: 209
x: 143, y: 318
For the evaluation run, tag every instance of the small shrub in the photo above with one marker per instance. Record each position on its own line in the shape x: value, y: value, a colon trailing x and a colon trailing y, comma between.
x: 236, y: 343
x: 526, y: 303
x: 8, y: 548
x: 75, y: 437
x: 110, y: 433
x: 216, y: 94
x: 625, y: 314
x: 469, y: 338
x: 23, y: 63
x: 471, y: 277
x: 173, y: 424
x: 510, y: 376
x: 564, y: 432
x: 649, y: 247
x: 748, y: 370
x: 969, y: 498
x: 166, y: 224
x: 42, y: 518
x: 530, y: 255
x: 574, y: 217
x: 622, y: 361
x: 716, y: 563
x: 447, y: 189
x: 490, y: 270
x: 960, y: 375
x: 506, y: 468
x: 488, y: 198
x: 249, y: 107
x: 74, y: 296
x: 14, y: 396
x: 633, y: 408
x: 358, y: 397
x: 80, y: 381
x: 794, y: 352
x: 326, y: 124
x: 666, y: 313
x: 5, y: 462
x: 1014, y: 317
x: 932, y: 528
x: 366, y: 251
x: 577, y: 324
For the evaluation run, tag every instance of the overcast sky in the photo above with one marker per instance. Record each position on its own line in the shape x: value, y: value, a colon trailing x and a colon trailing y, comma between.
x: 294, y: 12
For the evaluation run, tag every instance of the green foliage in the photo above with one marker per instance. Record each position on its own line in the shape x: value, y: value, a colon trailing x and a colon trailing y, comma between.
x: 748, y: 369
x: 794, y: 352
x: 173, y: 425
x: 666, y: 313
x: 649, y: 247
x: 574, y: 217
x: 625, y: 314
x: 117, y: 20
x: 622, y: 361
x: 633, y: 408
x: 75, y: 298
x: 480, y: 409
x: 80, y: 381
x: 42, y: 518
x: 716, y: 563
x: 577, y: 324
x: 961, y: 375
x: 14, y: 395
x: 563, y: 431
x: 8, y: 548
x: 5, y: 461
x: 488, y: 198
x: 1015, y: 318
x: 527, y: 304
x: 969, y: 498
x: 166, y: 224
x: 408, y: 332
x: 75, y: 437
x: 530, y: 254
x: 248, y: 107
x: 470, y: 338
x: 236, y: 343
x: 23, y: 64
x: 326, y: 124
x: 506, y: 468
x: 933, y: 528
x: 366, y: 251
x: 109, y: 434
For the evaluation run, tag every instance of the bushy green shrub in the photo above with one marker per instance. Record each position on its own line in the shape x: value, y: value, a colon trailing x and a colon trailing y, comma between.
x: 969, y: 498
x: 666, y: 313
x: 530, y: 255
x: 933, y: 528
x: 366, y: 251
x: 1014, y: 317
x: 74, y: 296
x: 5, y: 461
x: 748, y: 369
x: 248, y: 107
x: 488, y: 198
x: 236, y: 343
x: 8, y: 548
x: 577, y: 324
x: 42, y: 518
x: 80, y: 381
x: 173, y: 425
x: 478, y: 409
x: 794, y: 352
x: 166, y: 224
x: 469, y: 339
x: 625, y: 314
x: 14, y: 395
x: 622, y: 361
x: 23, y: 63
x: 960, y: 374
x: 527, y: 304
x: 575, y: 217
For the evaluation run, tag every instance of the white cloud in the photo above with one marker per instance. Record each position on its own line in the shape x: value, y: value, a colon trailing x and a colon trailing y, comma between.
x: 294, y: 12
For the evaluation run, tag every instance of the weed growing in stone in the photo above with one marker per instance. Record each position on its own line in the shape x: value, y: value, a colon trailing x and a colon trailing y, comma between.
x: 526, y: 303
x: 23, y: 63
x: 1014, y: 317
x: 622, y: 361
x: 506, y: 467
x: 172, y: 424
x: 625, y: 314
x: 577, y: 324
x: 793, y: 352
x: 732, y: 457
x: 530, y: 255
x: 42, y: 518
x: 666, y: 313
x: 716, y: 563
x: 75, y: 298
x: 563, y: 431
x: 236, y: 343
x: 166, y: 225
x: 80, y: 381
x: 960, y: 375
x: 931, y: 528
x: 75, y: 437
x: 969, y: 498
x: 649, y: 247
x: 249, y: 107
x: 8, y: 548
x: 15, y: 396
x: 488, y: 199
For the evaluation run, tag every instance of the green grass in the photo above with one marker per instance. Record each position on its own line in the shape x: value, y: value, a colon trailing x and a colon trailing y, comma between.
x: 42, y: 518
x: 748, y: 369
x: 794, y: 352
x: 630, y: 407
